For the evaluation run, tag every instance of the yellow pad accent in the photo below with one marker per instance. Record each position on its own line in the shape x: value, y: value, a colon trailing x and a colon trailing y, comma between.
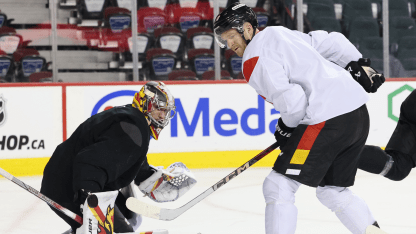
x: 299, y: 157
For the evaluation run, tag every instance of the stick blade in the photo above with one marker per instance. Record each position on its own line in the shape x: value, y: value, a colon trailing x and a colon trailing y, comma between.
x: 142, y: 208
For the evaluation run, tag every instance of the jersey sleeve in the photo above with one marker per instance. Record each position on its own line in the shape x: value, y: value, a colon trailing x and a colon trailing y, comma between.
x: 333, y: 46
x: 115, y: 152
x: 269, y: 79
x: 144, y: 173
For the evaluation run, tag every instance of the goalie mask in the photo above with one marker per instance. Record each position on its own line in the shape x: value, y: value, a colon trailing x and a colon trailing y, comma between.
x: 234, y: 17
x: 157, y: 104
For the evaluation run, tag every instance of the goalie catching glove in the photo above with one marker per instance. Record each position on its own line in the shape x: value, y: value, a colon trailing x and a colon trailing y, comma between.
x: 168, y: 185
x: 365, y: 75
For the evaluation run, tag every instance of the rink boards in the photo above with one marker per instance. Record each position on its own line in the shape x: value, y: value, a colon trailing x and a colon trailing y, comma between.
x: 218, y: 124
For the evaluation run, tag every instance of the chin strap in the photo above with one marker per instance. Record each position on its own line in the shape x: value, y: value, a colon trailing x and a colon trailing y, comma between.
x: 248, y: 41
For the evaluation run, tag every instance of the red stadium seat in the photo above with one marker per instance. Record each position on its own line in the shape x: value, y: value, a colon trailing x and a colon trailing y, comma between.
x: 233, y: 63
x: 151, y: 18
x: 187, y: 17
x: 182, y: 75
x: 210, y: 75
x: 160, y: 63
x: 6, y: 67
x: 200, y: 38
x: 10, y: 40
x: 27, y: 62
x: 201, y: 60
x: 170, y: 38
x: 43, y: 76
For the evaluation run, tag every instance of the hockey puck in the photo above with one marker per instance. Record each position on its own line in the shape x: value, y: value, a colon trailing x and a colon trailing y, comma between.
x: 92, y: 201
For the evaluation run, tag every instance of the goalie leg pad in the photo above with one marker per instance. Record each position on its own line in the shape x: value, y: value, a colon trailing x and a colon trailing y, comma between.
x: 281, y: 212
x: 350, y: 209
x: 101, y: 215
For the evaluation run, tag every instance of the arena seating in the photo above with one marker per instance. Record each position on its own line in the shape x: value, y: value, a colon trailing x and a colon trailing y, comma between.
x: 176, y: 37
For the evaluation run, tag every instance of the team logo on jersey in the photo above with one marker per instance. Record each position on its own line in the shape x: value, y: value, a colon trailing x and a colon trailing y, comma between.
x: 2, y: 110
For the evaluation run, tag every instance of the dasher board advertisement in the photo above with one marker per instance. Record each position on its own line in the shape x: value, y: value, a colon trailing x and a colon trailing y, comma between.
x: 209, y: 117
x: 30, y: 121
x: 219, y: 117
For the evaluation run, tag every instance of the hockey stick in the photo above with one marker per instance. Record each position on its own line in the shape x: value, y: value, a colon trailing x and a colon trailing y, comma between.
x: 155, y: 212
x: 41, y: 196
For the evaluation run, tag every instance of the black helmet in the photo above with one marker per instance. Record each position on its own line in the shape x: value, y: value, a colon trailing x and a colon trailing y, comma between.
x: 234, y: 16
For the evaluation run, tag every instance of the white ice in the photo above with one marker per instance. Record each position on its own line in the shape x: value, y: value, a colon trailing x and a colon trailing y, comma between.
x: 236, y: 208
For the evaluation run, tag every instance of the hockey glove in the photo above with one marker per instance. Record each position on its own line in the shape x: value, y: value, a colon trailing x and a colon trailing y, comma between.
x: 168, y: 185
x: 366, y: 76
x: 282, y: 133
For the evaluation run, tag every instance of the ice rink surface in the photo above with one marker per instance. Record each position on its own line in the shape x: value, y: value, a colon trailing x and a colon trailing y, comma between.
x: 236, y: 208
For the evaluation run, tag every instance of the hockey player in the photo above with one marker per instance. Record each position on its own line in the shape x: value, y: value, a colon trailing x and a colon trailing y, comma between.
x: 324, y: 120
x: 399, y: 157
x: 105, y: 154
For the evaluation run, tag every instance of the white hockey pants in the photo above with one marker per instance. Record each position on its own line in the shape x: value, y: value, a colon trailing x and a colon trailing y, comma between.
x: 281, y: 212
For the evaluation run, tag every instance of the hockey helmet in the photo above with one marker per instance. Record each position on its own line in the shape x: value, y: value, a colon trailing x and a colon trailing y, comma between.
x: 234, y: 17
x: 155, y: 96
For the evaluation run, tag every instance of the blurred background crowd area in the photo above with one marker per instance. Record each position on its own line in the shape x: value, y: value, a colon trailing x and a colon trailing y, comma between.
x: 175, y: 37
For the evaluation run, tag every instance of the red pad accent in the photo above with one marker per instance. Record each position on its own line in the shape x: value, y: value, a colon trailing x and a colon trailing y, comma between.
x: 100, y: 214
x: 249, y: 67
x: 310, y: 135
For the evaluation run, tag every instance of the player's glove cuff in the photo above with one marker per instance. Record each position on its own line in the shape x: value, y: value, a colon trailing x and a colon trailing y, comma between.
x: 282, y: 133
x: 355, y: 68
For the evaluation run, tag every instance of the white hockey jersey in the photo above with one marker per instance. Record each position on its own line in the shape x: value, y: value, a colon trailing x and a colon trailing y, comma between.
x: 298, y: 73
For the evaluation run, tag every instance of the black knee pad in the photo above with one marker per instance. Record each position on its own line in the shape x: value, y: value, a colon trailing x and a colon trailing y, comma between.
x: 401, y: 167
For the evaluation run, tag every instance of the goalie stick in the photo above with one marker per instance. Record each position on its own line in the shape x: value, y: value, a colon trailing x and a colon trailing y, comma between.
x: 155, y: 212
x: 33, y: 191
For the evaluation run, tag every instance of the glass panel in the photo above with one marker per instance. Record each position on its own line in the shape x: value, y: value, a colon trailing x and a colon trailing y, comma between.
x: 203, y: 41
x: 170, y: 42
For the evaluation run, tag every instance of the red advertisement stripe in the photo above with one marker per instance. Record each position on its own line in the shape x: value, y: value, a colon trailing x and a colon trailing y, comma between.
x: 310, y: 135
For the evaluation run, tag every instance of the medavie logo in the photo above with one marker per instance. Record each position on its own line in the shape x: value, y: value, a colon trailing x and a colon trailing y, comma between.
x: 2, y: 110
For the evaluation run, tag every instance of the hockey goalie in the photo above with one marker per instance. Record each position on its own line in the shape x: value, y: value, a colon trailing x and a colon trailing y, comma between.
x: 95, y: 170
